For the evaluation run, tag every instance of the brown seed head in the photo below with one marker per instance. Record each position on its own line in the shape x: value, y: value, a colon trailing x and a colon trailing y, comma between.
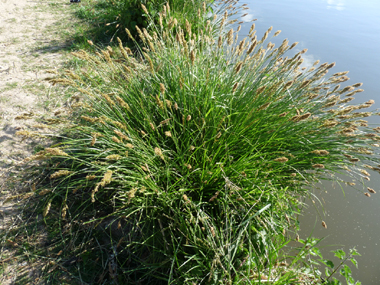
x: 230, y: 37
x: 357, y: 85
x: 192, y: 56
x: 365, y: 172
x: 318, y: 165
x: 293, y: 45
x: 371, y: 190
x: 144, y: 9
x: 324, y: 225
x: 281, y: 159
x: 238, y: 67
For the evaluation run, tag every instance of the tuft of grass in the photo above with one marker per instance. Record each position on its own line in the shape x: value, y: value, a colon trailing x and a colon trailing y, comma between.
x: 189, y: 157
x: 107, y: 19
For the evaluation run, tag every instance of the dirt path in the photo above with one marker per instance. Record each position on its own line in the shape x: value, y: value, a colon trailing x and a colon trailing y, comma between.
x: 32, y: 41
x: 29, y: 44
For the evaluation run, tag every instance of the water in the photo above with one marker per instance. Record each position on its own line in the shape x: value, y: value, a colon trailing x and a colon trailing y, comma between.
x: 346, y: 32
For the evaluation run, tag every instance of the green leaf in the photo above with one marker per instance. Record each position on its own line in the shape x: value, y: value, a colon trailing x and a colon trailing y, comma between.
x: 353, y: 260
x: 354, y: 252
x: 328, y: 263
x: 339, y: 253
x: 327, y: 271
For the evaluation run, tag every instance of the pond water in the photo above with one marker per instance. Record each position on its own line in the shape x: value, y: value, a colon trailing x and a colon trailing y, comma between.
x: 346, y: 32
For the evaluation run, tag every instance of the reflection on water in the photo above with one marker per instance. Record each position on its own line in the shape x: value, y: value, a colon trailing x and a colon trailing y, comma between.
x: 346, y: 32
x: 335, y: 4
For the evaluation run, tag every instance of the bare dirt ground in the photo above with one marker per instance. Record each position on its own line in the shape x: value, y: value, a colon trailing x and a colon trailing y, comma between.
x: 32, y: 41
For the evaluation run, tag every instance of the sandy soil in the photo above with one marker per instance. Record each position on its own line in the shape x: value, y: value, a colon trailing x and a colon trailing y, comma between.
x: 31, y: 34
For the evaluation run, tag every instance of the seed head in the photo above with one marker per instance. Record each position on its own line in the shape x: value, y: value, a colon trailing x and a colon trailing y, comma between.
x: 144, y: 8
x: 365, y: 172
x: 238, y: 67
x: 265, y: 36
x: 164, y: 122
x: 320, y: 152
x: 324, y: 225
x: 235, y: 87
x: 346, y: 89
x: 304, y: 116
x: 129, y: 145
x: 367, y: 194
x: 318, y: 165
x: 265, y: 106
x: 113, y: 157
x: 47, y: 208
x: 252, y: 47
x: 192, y: 56
x: 281, y: 159
x: 214, y: 197
x: 293, y: 45
x: 129, y: 34
x: 60, y: 173
x: 371, y: 190
x: 162, y: 88
x: 230, y: 37
x: 158, y: 152
x: 357, y: 85
x: 168, y: 134
x: 331, y: 65
x: 116, y: 140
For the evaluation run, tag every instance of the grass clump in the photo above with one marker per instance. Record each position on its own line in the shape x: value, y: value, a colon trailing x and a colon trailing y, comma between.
x: 109, y: 18
x: 190, y: 156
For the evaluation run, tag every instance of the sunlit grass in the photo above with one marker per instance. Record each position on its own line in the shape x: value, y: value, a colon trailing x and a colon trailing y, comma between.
x: 188, y: 157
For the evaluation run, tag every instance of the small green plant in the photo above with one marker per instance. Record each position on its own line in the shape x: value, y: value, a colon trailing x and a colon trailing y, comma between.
x: 343, y: 269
